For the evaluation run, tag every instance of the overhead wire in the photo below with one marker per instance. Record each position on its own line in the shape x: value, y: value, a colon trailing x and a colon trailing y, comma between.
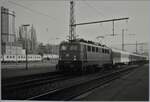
x: 95, y: 10
x: 32, y: 10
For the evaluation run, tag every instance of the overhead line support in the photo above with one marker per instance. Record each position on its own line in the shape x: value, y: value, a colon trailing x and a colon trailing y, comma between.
x: 100, y: 21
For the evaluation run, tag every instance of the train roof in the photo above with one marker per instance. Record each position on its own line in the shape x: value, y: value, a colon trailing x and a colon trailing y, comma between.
x: 126, y: 52
x: 120, y: 51
x: 85, y: 41
x: 101, y: 45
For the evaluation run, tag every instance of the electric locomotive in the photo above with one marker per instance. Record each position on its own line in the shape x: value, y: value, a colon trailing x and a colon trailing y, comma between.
x: 81, y: 55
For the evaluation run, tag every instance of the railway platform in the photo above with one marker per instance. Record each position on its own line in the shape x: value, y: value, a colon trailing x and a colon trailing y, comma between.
x: 131, y: 87
x: 12, y: 70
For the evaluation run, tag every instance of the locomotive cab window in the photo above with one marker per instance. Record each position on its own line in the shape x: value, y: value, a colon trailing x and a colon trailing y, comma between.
x: 73, y: 47
x: 63, y: 48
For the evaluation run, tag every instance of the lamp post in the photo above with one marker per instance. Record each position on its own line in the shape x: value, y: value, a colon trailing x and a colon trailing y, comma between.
x: 25, y: 26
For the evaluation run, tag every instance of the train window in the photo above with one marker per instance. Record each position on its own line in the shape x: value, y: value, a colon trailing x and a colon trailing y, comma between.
x: 63, y: 47
x: 84, y: 48
x: 96, y: 49
x: 103, y: 51
x: 108, y: 51
x: 89, y: 48
x: 99, y: 50
x: 73, y: 47
x: 13, y: 56
x: 10, y: 56
x: 93, y: 49
x: 7, y: 56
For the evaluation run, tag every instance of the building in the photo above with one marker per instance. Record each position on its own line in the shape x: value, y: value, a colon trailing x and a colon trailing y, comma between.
x: 30, y: 38
x: 8, y: 34
x: 13, y: 49
x: 47, y: 49
x: 33, y: 40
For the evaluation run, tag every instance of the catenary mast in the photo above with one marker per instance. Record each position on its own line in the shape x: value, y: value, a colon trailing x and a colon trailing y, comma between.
x: 72, y: 21
x: 72, y: 26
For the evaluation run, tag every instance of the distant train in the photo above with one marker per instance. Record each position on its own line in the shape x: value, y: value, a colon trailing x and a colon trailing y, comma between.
x: 22, y: 58
x: 81, y: 55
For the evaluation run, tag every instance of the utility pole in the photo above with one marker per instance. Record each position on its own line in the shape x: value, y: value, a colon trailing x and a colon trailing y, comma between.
x: 72, y: 22
x: 122, y: 39
x: 26, y: 44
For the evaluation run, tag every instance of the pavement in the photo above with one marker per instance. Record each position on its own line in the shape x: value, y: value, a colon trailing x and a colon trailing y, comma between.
x: 30, y: 65
x: 131, y: 87
x: 13, y: 70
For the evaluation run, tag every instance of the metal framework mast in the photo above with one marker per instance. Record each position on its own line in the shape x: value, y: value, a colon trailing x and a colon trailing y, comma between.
x: 72, y: 21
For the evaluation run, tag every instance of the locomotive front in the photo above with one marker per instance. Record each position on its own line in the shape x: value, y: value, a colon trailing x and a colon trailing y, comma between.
x: 69, y: 56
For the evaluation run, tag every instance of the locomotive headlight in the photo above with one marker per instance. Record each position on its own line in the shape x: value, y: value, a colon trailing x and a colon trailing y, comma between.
x: 74, y: 58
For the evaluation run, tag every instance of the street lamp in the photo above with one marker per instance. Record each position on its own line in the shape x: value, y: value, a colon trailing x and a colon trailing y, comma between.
x: 25, y: 26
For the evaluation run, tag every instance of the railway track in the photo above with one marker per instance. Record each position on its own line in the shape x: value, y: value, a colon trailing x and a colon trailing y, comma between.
x: 15, y: 80
x: 74, y: 90
x: 53, y: 87
x: 38, y: 80
x: 29, y: 83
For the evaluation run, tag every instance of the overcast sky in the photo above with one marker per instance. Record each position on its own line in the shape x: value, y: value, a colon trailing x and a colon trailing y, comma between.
x: 51, y: 19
